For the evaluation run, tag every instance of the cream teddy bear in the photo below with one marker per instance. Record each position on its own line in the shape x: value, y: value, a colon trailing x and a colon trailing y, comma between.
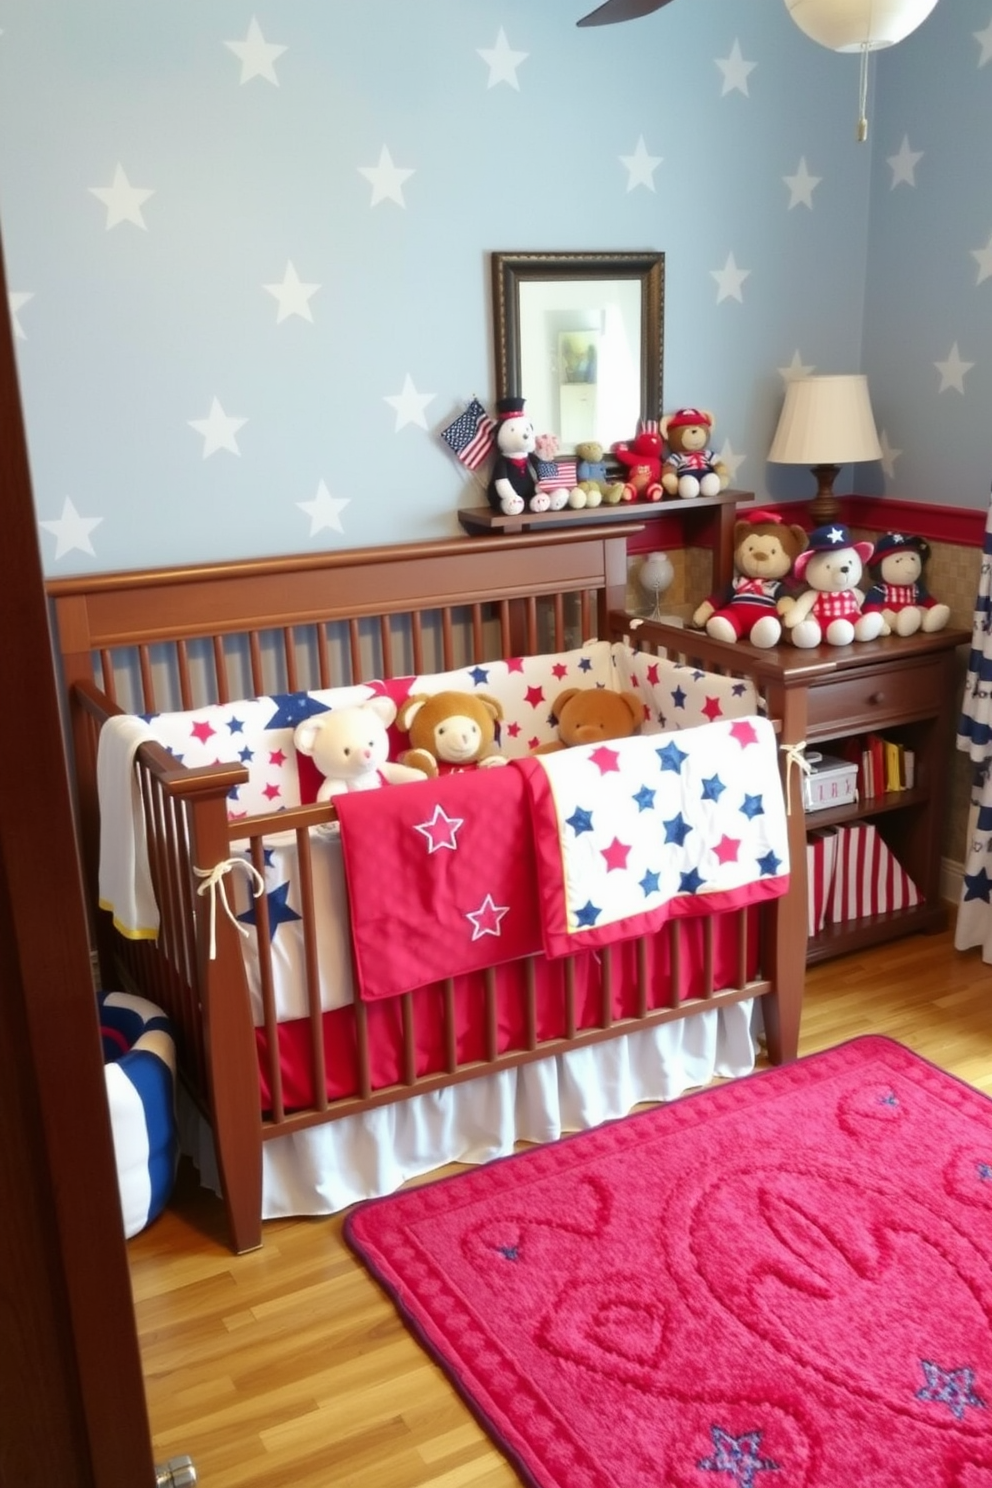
x: 830, y: 609
x: 350, y: 747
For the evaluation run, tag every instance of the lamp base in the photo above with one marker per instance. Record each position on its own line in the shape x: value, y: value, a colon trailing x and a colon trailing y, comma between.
x: 825, y: 506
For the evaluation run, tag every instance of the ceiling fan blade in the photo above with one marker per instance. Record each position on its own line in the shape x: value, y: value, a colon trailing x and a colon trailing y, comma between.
x: 620, y: 10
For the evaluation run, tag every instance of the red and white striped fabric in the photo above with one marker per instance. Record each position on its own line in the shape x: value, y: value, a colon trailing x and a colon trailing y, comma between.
x: 868, y: 878
x: 821, y: 860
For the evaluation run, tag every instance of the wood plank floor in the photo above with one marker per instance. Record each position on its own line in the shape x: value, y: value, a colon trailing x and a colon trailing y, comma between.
x: 288, y: 1366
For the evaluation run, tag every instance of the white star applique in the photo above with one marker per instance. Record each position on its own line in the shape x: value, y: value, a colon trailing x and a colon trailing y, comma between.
x: 984, y: 39
x: 835, y: 535
x: 796, y: 368
x: 801, y: 186
x: 324, y: 510
x: 387, y: 179
x: 256, y: 55
x: 71, y: 531
x: 735, y: 71
x: 952, y: 370
x: 733, y: 462
x: 122, y: 200
x: 440, y: 831
x: 218, y: 430
x: 487, y: 918
x: 889, y: 455
x: 904, y: 164
x: 293, y: 295
x: 409, y: 405
x: 640, y: 166
x: 983, y: 256
x: 16, y: 300
x: 502, y: 62
x: 729, y: 280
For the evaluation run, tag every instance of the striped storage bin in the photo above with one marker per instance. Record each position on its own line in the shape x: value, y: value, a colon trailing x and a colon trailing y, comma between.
x: 139, y: 1055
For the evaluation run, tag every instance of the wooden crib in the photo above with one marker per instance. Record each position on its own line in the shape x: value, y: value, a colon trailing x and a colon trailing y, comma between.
x: 181, y: 638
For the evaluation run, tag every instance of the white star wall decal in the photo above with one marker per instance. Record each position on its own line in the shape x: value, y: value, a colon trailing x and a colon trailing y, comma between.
x: 324, y: 511
x: 16, y: 300
x: 796, y: 368
x: 72, y: 532
x: 256, y: 55
x: 502, y: 62
x: 733, y: 462
x: 801, y: 185
x: 729, y: 280
x: 984, y: 39
x: 735, y: 71
x: 904, y: 164
x: 218, y: 430
x: 984, y: 258
x: 409, y: 404
x: 387, y: 179
x: 293, y: 295
x: 122, y: 200
x: 952, y: 371
x: 640, y: 166
x: 889, y: 455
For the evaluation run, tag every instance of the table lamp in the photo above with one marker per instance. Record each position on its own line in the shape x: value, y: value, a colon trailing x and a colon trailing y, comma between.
x: 826, y: 422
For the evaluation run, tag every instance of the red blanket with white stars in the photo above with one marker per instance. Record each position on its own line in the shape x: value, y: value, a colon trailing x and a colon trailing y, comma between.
x: 560, y: 853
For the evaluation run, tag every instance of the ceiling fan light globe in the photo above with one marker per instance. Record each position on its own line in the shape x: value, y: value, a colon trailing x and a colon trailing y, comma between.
x: 853, y: 25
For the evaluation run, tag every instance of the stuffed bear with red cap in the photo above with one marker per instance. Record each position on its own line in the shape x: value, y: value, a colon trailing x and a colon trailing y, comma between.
x: 750, y: 607
x: 691, y: 468
x: 514, y: 479
x: 898, y: 591
x: 642, y: 461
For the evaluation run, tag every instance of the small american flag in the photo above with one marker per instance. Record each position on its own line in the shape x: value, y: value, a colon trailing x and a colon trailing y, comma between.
x: 471, y: 435
x: 557, y: 474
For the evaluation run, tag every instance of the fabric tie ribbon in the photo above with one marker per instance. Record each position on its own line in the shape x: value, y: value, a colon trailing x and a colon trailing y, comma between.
x: 794, y: 755
x: 213, y: 883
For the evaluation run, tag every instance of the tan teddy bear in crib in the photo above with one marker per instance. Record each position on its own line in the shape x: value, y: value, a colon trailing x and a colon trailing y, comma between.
x: 450, y: 731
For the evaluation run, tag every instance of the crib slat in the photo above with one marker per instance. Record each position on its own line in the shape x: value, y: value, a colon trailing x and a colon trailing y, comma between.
x: 450, y: 1026
x: 447, y: 640
x: 256, y: 666
x: 147, y: 682
x: 570, y: 1022
x: 108, y: 676
x: 558, y: 641
x: 318, y: 1069
x: 708, y: 986
x: 417, y: 639
x: 220, y: 671
x: 289, y: 655
x: 642, y: 975
x: 478, y: 644
x: 355, y: 652
x: 675, y: 961
x: 530, y: 1002
x: 492, y: 1018
x: 182, y: 668
x: 263, y: 932
x: 323, y: 657
x: 409, y: 1039
x: 505, y: 628
x: 364, y: 1068
x: 386, y: 642
x: 606, y: 987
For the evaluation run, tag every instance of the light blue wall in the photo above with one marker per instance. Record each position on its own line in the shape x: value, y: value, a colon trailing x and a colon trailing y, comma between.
x: 127, y: 333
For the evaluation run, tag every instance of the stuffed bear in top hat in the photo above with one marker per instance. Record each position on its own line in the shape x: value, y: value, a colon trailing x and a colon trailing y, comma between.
x: 513, y: 483
x: 898, y: 591
x: 830, y: 609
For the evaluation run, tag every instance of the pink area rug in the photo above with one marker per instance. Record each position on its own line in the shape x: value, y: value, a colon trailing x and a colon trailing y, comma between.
x: 780, y: 1282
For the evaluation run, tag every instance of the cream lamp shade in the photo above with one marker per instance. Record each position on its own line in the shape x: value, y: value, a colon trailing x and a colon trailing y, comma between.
x: 826, y: 422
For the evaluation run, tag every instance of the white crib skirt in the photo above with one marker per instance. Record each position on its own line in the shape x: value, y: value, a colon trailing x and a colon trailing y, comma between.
x: 323, y: 1169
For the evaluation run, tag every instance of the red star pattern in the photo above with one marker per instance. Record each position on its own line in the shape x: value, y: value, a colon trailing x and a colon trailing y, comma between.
x: 271, y: 791
x: 615, y: 856
x: 653, y: 674
x: 534, y: 696
x: 559, y: 670
x: 605, y: 760
x: 202, y: 731
x: 712, y: 708
x: 743, y: 732
x: 515, y: 664
x: 277, y: 757
x: 727, y: 849
x: 513, y: 729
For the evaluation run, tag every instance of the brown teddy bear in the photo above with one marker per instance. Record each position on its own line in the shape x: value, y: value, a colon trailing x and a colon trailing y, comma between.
x: 450, y: 731
x: 593, y: 484
x: 587, y: 715
x: 690, y: 467
x: 750, y: 607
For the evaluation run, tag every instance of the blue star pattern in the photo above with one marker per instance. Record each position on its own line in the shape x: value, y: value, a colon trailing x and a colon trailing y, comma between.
x: 479, y: 675
x: 280, y: 912
x: 292, y: 708
x: 978, y: 886
x: 951, y: 1387
x: 737, y: 1456
x: 678, y: 697
x: 682, y: 832
x: 984, y: 1171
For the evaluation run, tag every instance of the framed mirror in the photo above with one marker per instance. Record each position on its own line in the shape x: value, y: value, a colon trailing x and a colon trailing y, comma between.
x: 581, y: 337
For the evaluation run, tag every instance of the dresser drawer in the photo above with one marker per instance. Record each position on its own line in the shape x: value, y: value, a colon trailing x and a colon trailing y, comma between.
x: 876, y: 699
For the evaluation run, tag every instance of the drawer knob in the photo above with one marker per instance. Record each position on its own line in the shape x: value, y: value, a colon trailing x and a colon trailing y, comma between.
x: 877, y: 697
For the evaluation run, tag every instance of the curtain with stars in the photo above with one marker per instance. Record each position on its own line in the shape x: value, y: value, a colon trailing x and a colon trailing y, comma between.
x: 974, y: 925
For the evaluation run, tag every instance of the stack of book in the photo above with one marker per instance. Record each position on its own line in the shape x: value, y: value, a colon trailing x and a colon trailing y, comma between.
x: 883, y: 764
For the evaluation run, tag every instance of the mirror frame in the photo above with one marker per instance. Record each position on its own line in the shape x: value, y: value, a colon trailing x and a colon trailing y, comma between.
x: 510, y: 270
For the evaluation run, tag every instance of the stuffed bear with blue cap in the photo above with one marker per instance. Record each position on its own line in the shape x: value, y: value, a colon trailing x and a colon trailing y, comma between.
x: 830, y: 608
x: 898, y: 591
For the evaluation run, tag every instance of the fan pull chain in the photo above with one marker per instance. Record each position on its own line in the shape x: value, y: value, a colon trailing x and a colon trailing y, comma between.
x: 863, y: 95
